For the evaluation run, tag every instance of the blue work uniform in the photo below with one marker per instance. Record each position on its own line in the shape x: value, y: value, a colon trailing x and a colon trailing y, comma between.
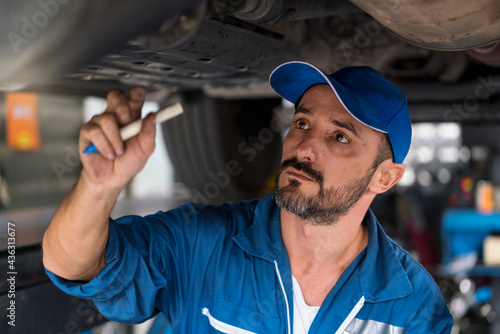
x: 225, y: 269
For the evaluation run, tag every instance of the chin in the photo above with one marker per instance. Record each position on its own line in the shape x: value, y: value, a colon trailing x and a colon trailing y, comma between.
x: 294, y: 186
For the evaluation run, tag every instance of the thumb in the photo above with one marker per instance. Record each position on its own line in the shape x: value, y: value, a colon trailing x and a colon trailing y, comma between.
x: 147, y: 135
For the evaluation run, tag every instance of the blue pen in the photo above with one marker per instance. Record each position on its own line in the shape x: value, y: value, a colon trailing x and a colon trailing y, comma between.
x: 132, y: 129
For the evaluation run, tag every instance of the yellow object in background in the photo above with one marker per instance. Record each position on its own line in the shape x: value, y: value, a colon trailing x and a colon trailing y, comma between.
x: 485, y: 197
x: 22, y: 125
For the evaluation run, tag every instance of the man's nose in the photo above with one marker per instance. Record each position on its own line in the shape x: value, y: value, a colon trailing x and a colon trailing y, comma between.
x: 307, y: 149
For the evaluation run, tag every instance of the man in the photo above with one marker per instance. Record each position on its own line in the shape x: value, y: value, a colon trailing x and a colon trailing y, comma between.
x: 309, y: 258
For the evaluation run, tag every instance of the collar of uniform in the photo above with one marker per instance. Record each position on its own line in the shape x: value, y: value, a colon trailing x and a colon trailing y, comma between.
x: 263, y: 237
x: 381, y: 275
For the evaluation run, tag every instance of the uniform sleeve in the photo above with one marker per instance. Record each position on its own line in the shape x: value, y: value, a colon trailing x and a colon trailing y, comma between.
x: 148, y: 261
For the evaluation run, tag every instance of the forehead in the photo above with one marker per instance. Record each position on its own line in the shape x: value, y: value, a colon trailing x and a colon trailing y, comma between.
x: 320, y: 101
x: 321, y: 98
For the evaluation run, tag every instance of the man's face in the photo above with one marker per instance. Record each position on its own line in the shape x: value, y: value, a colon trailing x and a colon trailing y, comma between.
x: 327, y: 161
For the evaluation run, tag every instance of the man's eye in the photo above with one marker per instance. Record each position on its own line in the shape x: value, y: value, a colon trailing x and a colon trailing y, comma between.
x: 341, y: 138
x: 299, y: 124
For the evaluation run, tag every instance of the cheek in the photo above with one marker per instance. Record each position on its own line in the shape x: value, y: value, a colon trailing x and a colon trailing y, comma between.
x: 288, y: 147
x: 341, y: 171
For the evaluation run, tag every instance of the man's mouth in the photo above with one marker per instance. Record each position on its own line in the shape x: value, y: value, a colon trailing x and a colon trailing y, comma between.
x: 299, y: 171
x: 299, y: 175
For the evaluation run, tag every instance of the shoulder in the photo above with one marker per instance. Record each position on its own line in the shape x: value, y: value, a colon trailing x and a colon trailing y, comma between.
x: 224, y: 212
x: 187, y: 219
x: 231, y: 217
x: 417, y: 274
x: 430, y: 307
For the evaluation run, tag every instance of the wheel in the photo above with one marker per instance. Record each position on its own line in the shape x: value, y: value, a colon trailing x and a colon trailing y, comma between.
x: 223, y: 149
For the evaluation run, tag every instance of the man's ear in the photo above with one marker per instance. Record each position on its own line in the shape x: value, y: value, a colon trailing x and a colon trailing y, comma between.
x: 387, y: 175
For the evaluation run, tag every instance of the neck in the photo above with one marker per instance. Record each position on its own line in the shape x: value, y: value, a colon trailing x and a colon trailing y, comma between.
x: 333, y: 246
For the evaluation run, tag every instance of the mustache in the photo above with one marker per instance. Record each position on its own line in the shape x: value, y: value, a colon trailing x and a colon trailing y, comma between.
x: 304, y: 167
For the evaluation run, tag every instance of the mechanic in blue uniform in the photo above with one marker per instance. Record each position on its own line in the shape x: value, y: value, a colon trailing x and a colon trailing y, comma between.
x: 309, y: 258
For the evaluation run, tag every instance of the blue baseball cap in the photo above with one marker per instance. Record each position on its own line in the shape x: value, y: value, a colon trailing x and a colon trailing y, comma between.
x: 365, y: 93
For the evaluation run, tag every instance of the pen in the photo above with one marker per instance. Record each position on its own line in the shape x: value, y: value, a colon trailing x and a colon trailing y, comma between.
x: 132, y: 129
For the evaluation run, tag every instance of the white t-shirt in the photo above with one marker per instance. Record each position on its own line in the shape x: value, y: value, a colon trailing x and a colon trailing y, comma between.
x: 303, y: 314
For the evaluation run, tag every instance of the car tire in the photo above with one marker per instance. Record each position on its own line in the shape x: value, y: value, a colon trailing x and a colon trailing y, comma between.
x: 223, y: 149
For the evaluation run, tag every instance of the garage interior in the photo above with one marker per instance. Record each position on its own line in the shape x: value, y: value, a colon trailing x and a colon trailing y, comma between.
x: 61, y: 57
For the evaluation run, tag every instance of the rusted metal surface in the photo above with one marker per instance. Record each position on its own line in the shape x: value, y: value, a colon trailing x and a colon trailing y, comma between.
x: 441, y: 24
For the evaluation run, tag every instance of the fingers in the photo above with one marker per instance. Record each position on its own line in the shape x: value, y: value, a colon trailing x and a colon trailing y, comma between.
x: 147, y: 135
x: 103, y: 131
x: 126, y: 106
x: 136, y: 98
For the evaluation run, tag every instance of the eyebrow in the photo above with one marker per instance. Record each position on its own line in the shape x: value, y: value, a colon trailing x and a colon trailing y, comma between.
x: 346, y: 125
x: 342, y: 124
x: 302, y: 110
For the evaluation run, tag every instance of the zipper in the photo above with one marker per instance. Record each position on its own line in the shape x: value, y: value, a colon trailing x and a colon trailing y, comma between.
x: 286, y: 299
x: 222, y: 326
x: 350, y: 317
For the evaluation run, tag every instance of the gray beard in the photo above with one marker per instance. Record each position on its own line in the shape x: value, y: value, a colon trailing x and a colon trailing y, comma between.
x: 327, y: 206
